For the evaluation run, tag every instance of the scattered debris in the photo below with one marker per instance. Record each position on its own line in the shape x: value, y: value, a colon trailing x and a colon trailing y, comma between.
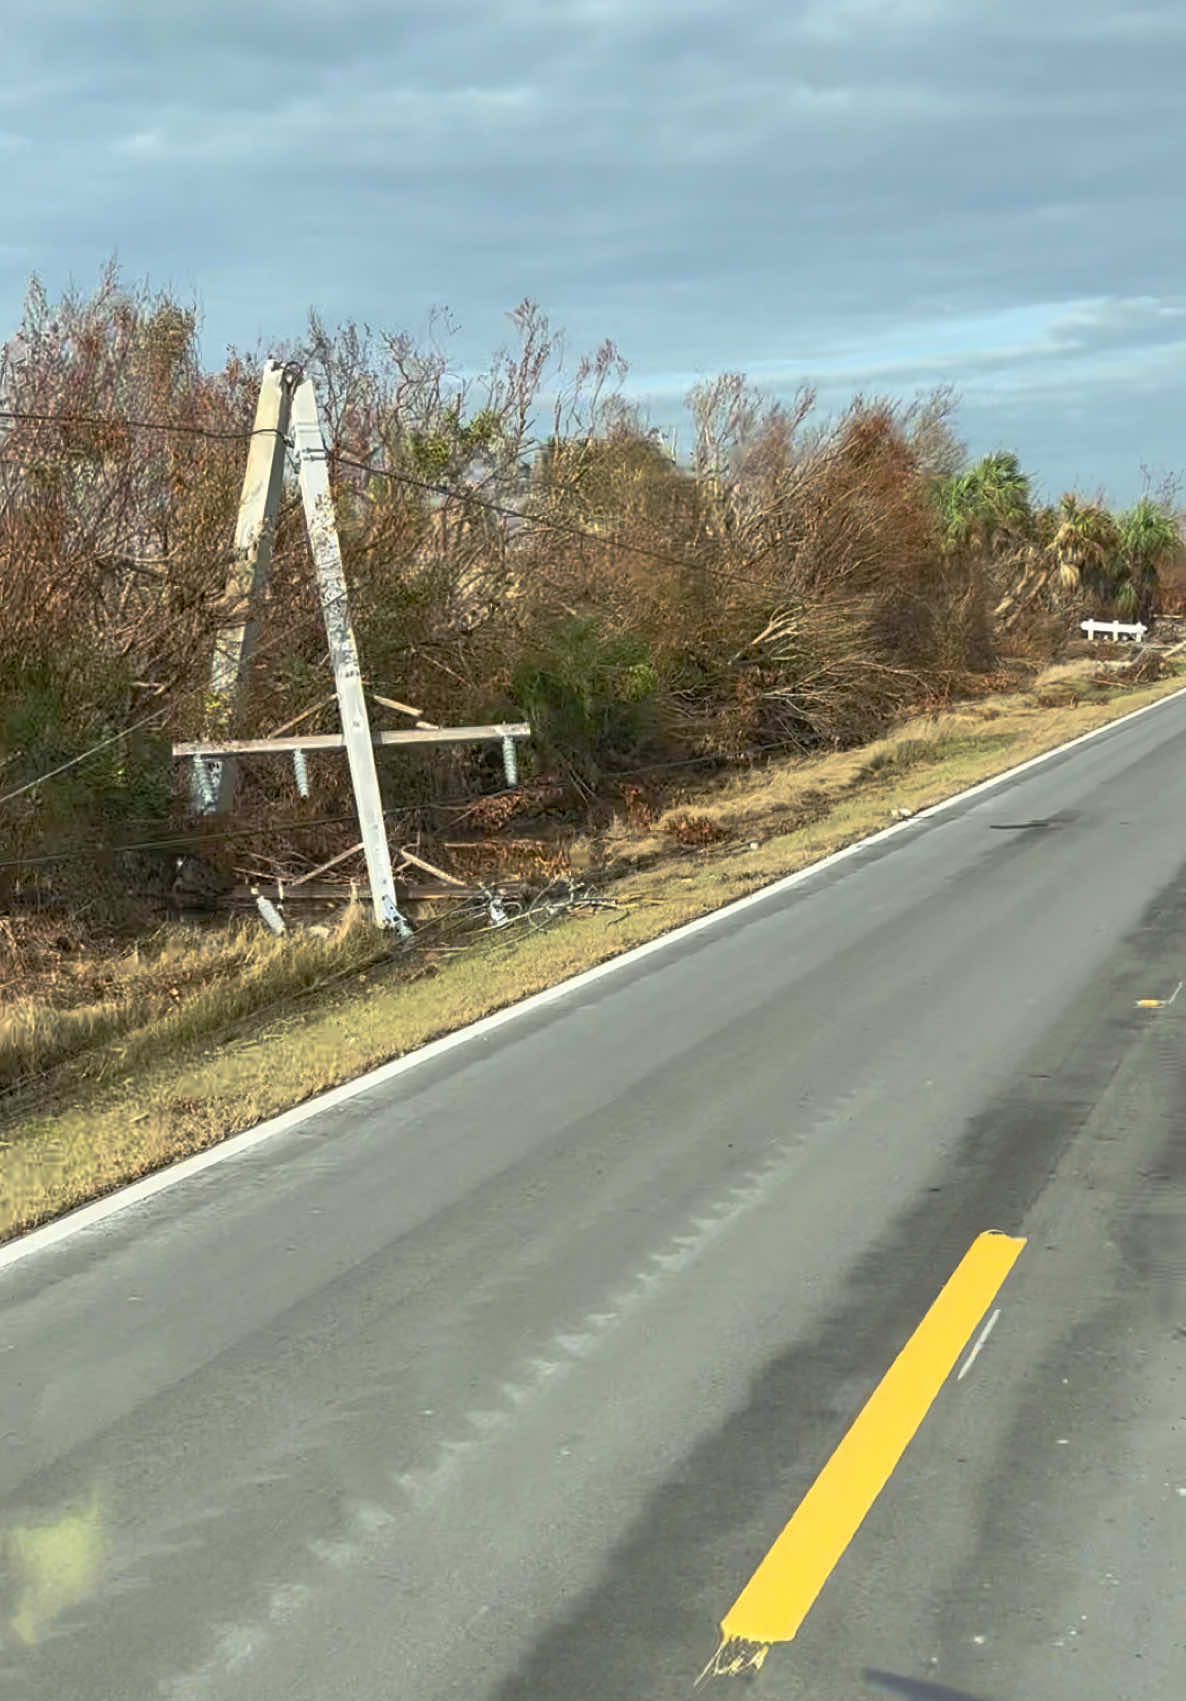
x: 431, y: 868
x: 497, y: 911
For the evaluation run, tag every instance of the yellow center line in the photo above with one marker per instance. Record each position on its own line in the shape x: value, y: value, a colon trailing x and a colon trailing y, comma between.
x: 781, y: 1591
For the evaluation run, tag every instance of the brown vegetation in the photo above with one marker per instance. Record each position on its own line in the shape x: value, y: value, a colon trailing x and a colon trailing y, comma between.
x: 799, y: 588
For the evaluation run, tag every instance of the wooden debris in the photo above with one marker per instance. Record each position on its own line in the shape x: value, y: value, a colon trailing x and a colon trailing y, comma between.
x: 430, y: 868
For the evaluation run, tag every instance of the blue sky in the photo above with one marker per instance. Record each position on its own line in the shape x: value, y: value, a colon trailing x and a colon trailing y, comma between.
x: 868, y: 195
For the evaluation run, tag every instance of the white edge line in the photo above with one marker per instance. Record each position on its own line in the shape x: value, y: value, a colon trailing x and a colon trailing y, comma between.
x: 980, y: 1340
x: 1174, y: 993
x: 85, y: 1216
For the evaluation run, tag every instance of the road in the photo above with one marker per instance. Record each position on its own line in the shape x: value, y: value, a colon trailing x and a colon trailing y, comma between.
x: 499, y: 1381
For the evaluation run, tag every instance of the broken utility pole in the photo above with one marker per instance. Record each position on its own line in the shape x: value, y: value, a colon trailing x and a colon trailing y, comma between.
x: 213, y: 786
x: 287, y: 401
x: 343, y: 652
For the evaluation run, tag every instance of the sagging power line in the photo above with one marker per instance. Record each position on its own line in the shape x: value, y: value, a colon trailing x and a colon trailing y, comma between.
x: 534, y: 521
x: 268, y: 437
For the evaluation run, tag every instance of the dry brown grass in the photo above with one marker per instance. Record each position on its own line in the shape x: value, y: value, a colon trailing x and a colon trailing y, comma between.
x: 181, y: 983
x: 174, y: 1089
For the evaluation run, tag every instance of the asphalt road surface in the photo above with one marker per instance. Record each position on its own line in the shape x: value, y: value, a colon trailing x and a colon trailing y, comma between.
x: 499, y: 1381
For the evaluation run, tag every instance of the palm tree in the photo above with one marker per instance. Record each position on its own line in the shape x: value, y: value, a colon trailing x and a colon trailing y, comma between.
x: 1148, y: 540
x: 986, y: 508
x: 1030, y: 573
x: 1085, y: 547
x: 1069, y: 553
x: 988, y: 527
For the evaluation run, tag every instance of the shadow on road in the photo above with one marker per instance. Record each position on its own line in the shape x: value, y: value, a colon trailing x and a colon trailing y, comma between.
x: 916, y: 1688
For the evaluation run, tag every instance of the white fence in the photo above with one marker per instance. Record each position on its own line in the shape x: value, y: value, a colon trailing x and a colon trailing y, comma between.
x: 1113, y: 629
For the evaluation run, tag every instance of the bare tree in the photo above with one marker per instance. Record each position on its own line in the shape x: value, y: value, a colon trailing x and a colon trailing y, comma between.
x: 938, y: 452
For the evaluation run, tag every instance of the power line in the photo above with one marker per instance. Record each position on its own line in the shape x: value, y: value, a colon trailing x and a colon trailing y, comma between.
x: 75, y: 760
x: 267, y: 642
x: 137, y: 424
x: 183, y: 838
x: 559, y: 527
x: 537, y: 521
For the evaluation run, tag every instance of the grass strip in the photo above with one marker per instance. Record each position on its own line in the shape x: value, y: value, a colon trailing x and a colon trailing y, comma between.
x: 176, y: 1082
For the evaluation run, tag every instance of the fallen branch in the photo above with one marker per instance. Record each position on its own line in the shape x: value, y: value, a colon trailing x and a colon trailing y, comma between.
x: 431, y: 868
x: 333, y: 861
x: 403, y: 709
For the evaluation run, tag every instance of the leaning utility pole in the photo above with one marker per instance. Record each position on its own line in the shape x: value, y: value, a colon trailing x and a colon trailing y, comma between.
x: 288, y: 403
x: 214, y: 783
x: 309, y: 446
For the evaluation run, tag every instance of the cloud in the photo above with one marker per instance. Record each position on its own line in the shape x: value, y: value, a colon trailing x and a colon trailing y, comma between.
x: 364, y: 124
x: 146, y: 143
x: 838, y: 20
x: 870, y: 191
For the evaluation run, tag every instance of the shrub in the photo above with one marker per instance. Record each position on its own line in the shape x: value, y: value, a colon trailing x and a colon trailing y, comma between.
x: 54, y: 710
x: 694, y: 831
x: 589, y: 694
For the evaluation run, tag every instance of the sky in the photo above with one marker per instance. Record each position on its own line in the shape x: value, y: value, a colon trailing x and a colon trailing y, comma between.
x: 871, y: 196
